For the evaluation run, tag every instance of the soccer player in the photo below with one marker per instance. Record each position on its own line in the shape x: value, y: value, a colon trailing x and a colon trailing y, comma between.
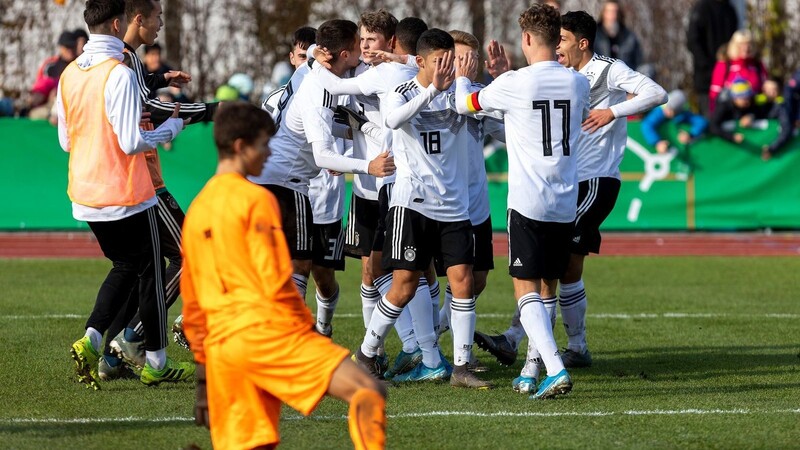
x: 543, y: 105
x: 251, y: 333
x: 479, y: 212
x: 304, y: 144
x: 428, y: 215
x: 370, y: 86
x: 99, y: 112
x: 144, y: 23
x: 304, y: 37
x: 598, y: 170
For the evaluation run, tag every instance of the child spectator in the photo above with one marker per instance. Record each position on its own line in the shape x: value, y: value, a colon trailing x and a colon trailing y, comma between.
x: 674, y: 110
x: 738, y: 107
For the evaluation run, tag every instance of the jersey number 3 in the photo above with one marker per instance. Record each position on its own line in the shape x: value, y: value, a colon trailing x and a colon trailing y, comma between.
x: 547, y: 135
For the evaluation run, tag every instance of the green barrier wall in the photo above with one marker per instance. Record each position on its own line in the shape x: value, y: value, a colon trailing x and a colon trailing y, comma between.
x: 714, y: 185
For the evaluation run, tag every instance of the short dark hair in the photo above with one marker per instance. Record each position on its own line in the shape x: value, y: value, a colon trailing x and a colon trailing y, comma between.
x: 304, y: 37
x: 239, y: 120
x: 143, y: 7
x: 542, y: 21
x: 98, y: 12
x: 337, y: 35
x: 408, y: 32
x: 581, y: 24
x: 434, y: 39
x: 380, y: 21
x: 152, y: 48
x: 81, y: 33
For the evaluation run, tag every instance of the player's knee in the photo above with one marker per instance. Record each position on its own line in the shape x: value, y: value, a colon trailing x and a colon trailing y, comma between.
x: 374, y: 385
x: 302, y: 267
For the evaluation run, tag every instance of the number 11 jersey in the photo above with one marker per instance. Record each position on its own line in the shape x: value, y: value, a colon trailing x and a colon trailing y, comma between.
x: 543, y: 106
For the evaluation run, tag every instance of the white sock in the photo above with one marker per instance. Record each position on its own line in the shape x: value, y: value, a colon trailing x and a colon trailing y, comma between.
x: 532, y: 361
x: 382, y: 320
x: 573, y: 313
x: 325, y: 309
x: 96, y: 339
x: 434, y: 290
x: 382, y: 284
x: 157, y: 359
x: 462, y: 319
x: 302, y: 284
x: 537, y: 325
x: 421, y: 316
x: 405, y: 331
x: 444, y: 313
x: 515, y: 331
x: 550, y: 306
x: 369, y: 298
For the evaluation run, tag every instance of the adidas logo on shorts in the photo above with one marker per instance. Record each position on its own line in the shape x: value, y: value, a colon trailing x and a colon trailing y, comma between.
x: 517, y: 263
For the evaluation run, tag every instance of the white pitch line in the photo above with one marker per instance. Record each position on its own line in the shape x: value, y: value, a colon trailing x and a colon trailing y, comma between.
x: 621, y: 316
x: 429, y: 414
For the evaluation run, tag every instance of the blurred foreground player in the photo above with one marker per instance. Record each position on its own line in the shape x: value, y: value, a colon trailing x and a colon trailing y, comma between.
x: 249, y: 329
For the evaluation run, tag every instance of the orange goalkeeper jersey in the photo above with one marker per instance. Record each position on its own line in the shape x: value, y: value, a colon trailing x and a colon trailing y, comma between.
x: 237, y: 271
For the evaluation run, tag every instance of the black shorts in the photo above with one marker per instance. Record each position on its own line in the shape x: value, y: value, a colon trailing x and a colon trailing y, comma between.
x: 413, y: 240
x: 362, y: 221
x: 384, y: 197
x: 596, y: 199
x: 484, y: 249
x: 328, y: 246
x: 537, y: 249
x: 297, y: 220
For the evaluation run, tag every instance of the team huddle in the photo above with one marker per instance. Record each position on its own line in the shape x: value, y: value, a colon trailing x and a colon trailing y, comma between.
x: 398, y: 105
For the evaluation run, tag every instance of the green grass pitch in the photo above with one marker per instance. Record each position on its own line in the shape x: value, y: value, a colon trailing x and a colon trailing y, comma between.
x: 689, y: 353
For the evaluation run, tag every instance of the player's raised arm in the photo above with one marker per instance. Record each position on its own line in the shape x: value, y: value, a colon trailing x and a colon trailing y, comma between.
x: 402, y: 111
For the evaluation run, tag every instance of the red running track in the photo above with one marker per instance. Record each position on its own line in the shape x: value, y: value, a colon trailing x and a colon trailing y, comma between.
x: 84, y: 245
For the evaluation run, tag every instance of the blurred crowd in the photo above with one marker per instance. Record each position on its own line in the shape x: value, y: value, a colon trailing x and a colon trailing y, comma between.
x: 732, y: 88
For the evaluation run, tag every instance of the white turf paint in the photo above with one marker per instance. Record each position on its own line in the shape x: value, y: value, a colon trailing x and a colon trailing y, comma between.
x: 621, y: 316
x: 501, y: 414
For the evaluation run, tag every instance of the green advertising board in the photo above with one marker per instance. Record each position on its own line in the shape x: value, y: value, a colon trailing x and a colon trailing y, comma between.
x: 712, y: 185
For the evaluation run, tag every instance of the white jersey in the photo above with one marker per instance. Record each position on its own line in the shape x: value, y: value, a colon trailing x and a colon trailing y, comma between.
x: 611, y: 81
x: 429, y: 143
x: 544, y: 105
x: 304, y: 123
x: 369, y: 89
x: 325, y: 191
x: 478, y: 128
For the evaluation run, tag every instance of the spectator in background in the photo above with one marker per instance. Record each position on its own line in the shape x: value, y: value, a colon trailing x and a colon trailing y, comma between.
x: 614, y: 39
x: 738, y: 109
x: 741, y: 62
x: 81, y: 37
x: 787, y: 110
x: 711, y: 24
x: 243, y: 84
x: 152, y: 60
x: 675, y: 111
x: 50, y: 71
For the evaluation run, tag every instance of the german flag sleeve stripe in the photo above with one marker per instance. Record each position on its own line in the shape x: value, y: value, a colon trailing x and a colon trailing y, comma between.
x: 472, y: 102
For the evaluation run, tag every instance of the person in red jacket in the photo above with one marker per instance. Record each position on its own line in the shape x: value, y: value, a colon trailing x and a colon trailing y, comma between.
x: 741, y: 62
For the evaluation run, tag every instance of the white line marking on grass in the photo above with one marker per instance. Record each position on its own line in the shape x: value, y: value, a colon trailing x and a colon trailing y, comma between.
x: 655, y: 412
x: 620, y: 316
x: 43, y: 316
